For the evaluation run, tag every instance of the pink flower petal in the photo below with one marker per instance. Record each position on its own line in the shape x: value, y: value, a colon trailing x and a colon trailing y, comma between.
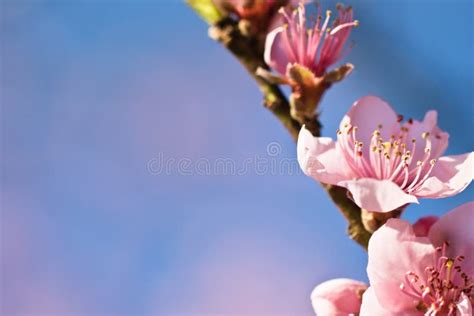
x: 423, y: 225
x: 337, y: 297
x: 275, y: 55
x: 371, y: 306
x: 378, y: 195
x: 367, y: 113
x: 438, y: 139
x: 319, y: 158
x: 451, y: 175
x: 394, y: 250
x: 431, y: 120
x: 456, y: 227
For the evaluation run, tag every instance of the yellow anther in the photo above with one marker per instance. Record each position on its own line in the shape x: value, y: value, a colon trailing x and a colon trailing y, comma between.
x: 449, y: 265
x: 425, y: 135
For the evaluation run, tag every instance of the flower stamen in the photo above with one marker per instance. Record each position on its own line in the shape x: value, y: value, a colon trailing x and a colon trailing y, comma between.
x: 442, y: 286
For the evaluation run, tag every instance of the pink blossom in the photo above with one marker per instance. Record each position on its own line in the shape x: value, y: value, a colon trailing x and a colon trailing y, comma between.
x: 315, y: 48
x: 431, y: 275
x: 249, y: 9
x: 383, y: 162
x: 338, y: 297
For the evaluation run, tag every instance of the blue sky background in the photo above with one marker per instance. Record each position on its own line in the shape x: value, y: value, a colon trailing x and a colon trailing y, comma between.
x: 91, y: 91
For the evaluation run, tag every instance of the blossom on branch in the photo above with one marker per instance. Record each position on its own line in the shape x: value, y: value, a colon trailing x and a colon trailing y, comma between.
x: 315, y: 48
x: 249, y: 9
x: 302, y: 52
x: 383, y: 162
x: 431, y: 275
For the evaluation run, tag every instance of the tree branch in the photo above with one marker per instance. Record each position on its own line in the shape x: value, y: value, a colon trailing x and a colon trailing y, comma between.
x: 249, y: 51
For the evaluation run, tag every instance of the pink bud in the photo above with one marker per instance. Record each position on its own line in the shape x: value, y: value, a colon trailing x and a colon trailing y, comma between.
x: 423, y: 225
x: 249, y: 9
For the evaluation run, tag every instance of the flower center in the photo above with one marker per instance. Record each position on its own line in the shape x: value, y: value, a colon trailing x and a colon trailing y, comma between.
x: 318, y: 46
x: 440, y: 289
x: 391, y: 159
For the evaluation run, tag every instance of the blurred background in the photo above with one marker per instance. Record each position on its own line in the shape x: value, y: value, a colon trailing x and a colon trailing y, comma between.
x: 93, y: 91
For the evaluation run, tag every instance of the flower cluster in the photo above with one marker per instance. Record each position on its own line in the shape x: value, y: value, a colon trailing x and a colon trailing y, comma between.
x: 385, y: 162
x: 424, y: 269
x: 382, y: 160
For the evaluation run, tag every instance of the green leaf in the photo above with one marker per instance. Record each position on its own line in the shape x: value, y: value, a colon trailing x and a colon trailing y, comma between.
x: 206, y: 10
